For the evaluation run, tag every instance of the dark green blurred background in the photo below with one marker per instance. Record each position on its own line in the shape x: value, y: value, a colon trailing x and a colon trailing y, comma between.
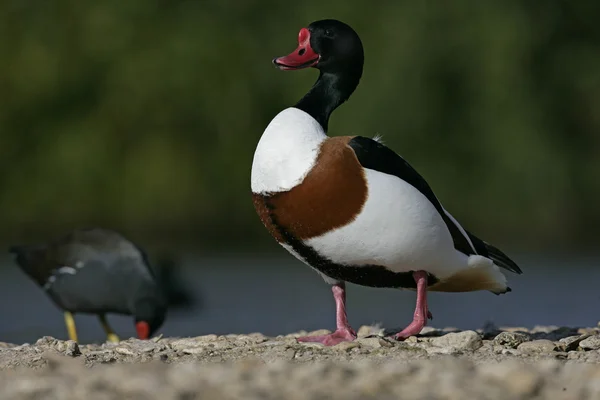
x: 143, y: 116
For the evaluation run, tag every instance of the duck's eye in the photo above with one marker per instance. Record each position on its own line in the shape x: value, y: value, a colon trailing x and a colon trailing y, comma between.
x: 329, y: 33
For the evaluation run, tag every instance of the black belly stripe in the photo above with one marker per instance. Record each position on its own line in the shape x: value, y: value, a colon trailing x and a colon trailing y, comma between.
x: 364, y: 275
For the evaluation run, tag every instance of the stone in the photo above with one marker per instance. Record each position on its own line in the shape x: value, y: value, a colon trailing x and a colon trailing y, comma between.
x: 511, y: 339
x: 571, y: 343
x: 345, y: 346
x: 374, y: 342
x: 537, y: 346
x: 458, y: 341
x: 46, y: 341
x: 124, y: 350
x: 181, y: 344
x: 194, y: 350
x: 72, y: 349
x: 590, y: 343
x: 367, y: 330
x: 510, y: 352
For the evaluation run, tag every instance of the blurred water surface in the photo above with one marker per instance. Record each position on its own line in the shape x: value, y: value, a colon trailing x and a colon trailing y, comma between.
x: 243, y: 294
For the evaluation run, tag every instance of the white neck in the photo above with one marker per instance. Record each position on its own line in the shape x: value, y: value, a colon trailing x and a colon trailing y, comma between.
x: 286, y: 151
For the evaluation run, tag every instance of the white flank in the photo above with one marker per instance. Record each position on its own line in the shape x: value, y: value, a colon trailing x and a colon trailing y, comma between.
x: 286, y: 151
x: 398, y: 228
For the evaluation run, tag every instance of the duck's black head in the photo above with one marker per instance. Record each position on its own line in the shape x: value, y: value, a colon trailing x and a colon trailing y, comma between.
x: 335, y: 49
x: 328, y: 45
x: 149, y: 314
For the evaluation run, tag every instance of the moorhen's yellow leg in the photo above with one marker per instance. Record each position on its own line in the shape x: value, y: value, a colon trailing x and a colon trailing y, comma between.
x: 111, y: 336
x: 70, y: 323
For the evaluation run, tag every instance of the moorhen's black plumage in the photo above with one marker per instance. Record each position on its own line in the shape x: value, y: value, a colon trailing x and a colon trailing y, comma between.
x: 96, y: 271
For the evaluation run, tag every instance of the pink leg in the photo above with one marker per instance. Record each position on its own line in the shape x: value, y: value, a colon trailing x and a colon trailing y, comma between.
x: 343, y: 333
x: 421, y: 310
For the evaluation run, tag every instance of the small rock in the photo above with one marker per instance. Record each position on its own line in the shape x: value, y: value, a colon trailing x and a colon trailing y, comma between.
x: 60, y: 346
x: 346, y: 346
x: 537, y: 346
x: 572, y: 342
x: 313, y: 345
x: 245, y: 339
x: 72, y: 349
x: 459, y: 341
x: 511, y: 339
x: 591, y: 343
x: 374, y: 342
x: 442, y: 351
x: 186, y: 343
x: 194, y: 350
x: 411, y: 339
x: 368, y: 330
x: 46, y: 341
x: 156, y: 339
x: 124, y: 350
x: 510, y: 352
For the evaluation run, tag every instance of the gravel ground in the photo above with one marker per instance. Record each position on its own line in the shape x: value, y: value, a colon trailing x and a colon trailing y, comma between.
x: 508, y: 363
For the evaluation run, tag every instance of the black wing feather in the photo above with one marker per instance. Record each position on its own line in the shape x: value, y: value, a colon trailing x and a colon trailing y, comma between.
x: 374, y: 155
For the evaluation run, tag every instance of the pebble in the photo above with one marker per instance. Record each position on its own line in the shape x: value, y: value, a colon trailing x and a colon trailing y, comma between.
x: 124, y: 350
x: 511, y: 339
x: 590, y: 343
x: 367, y: 330
x: 571, y: 343
x: 346, y: 346
x: 72, y: 349
x: 537, y: 346
x: 375, y: 342
x: 370, y: 346
x: 458, y: 342
x: 194, y: 350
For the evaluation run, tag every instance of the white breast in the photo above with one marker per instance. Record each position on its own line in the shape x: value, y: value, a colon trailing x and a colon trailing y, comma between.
x: 398, y: 228
x: 286, y: 151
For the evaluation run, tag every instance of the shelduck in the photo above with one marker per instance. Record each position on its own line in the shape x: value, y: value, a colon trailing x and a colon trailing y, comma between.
x: 96, y: 271
x: 350, y: 207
